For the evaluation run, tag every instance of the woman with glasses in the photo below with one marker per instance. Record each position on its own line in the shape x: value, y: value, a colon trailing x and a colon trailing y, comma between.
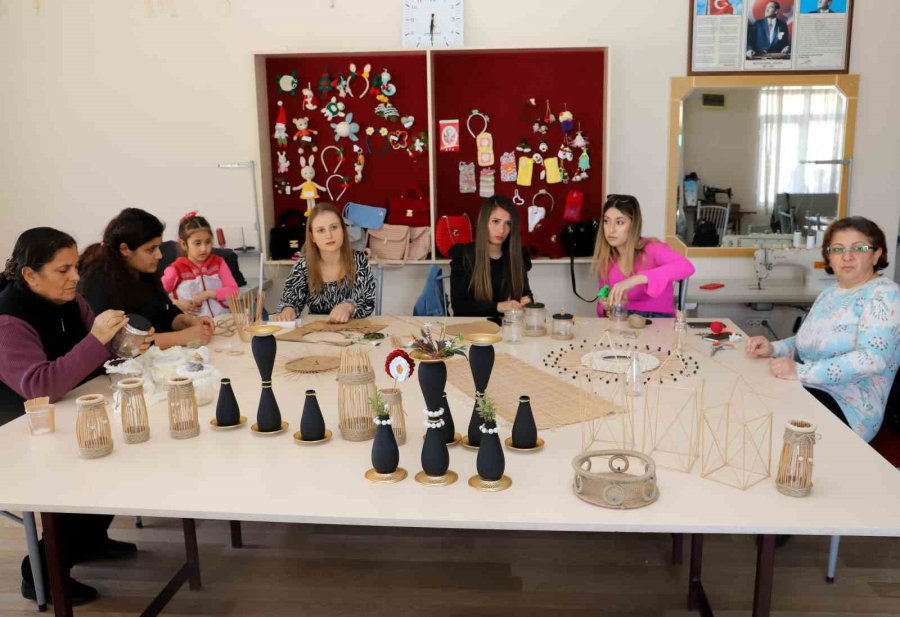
x: 847, y: 350
x: 640, y: 271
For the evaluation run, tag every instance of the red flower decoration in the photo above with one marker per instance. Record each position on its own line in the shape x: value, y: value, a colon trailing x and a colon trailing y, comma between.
x: 405, y: 358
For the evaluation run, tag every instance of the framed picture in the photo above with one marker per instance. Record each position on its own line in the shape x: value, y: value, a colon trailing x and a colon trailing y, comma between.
x: 769, y: 36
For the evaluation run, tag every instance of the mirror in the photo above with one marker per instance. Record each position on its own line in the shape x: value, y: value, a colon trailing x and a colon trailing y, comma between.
x: 757, y: 160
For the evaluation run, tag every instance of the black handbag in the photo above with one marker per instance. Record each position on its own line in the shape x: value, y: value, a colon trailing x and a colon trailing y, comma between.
x: 578, y: 239
x: 287, y: 237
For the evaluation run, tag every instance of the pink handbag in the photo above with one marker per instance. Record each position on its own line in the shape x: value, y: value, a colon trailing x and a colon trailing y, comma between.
x: 391, y: 242
x: 419, y: 243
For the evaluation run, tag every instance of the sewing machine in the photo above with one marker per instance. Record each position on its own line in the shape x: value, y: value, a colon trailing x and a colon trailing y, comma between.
x: 765, y: 259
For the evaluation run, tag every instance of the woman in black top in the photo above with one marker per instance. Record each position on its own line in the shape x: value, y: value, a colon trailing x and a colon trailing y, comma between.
x: 490, y: 276
x: 120, y: 273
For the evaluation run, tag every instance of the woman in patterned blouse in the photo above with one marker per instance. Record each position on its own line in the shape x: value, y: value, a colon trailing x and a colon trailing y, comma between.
x: 330, y: 277
x: 847, y: 350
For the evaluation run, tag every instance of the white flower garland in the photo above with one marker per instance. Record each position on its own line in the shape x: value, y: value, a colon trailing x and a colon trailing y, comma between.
x: 488, y: 431
x: 435, y: 424
x: 385, y: 422
x: 434, y: 414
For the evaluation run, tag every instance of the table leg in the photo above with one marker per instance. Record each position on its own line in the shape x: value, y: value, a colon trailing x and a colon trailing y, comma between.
x: 697, y: 600
x: 192, y: 553
x: 765, y: 575
x: 35, y: 557
x: 237, y: 540
x: 60, y: 583
x: 677, y: 549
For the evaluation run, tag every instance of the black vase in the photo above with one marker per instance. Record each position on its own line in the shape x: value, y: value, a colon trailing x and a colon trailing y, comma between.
x: 312, y: 424
x: 490, y: 462
x: 227, y: 411
x: 264, y: 353
x: 481, y: 362
x: 449, y: 429
x: 385, y: 454
x: 268, y: 416
x: 524, y: 430
x: 435, y: 457
x: 432, y: 380
x: 473, y: 433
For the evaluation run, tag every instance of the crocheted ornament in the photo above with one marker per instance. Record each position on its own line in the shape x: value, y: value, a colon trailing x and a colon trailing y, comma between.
x: 566, y: 121
x: 486, y: 183
x: 508, y: 167
x: 399, y: 365
x: 325, y: 88
x: 467, y: 178
x: 280, y: 134
x: 346, y: 129
x: 288, y: 83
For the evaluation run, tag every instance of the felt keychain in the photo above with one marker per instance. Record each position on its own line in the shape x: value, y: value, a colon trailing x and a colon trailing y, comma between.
x: 342, y: 84
x: 333, y: 109
x: 486, y: 183
x: 580, y: 140
x: 346, y: 128
x: 523, y: 146
x: 303, y: 132
x: 537, y: 213
x: 388, y: 112
x: 517, y: 199
x: 344, y: 183
x: 543, y: 147
x: 382, y: 87
x: 508, y: 167
x: 309, y: 102
x: 283, y: 163
x: 399, y: 140
x: 282, y: 187
x: 280, y: 134
x: 566, y: 120
x: 466, y: 177
x: 538, y: 126
x: 565, y: 153
x: 340, y: 159
x: 287, y: 84
x: 407, y: 121
x: 551, y: 165
x: 449, y: 130
x: 418, y: 147
x: 526, y: 168
x: 549, y: 118
x: 584, y: 160
x: 359, y: 164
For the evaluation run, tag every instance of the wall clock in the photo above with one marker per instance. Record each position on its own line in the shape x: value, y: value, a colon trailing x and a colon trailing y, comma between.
x: 432, y: 23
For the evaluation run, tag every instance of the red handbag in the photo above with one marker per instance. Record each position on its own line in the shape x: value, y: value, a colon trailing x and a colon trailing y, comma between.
x: 452, y: 230
x: 574, y: 204
x: 409, y: 208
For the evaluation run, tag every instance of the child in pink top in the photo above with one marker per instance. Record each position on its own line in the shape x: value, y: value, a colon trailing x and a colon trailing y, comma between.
x: 640, y: 271
x: 200, y: 282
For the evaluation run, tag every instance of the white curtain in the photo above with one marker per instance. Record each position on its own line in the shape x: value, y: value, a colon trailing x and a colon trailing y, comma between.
x: 799, y: 124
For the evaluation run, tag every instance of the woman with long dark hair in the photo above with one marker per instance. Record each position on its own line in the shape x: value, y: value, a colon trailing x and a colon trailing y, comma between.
x: 640, y: 270
x: 120, y: 273
x: 490, y: 275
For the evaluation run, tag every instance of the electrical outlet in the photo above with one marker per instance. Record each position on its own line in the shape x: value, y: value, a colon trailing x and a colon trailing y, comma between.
x: 754, y: 323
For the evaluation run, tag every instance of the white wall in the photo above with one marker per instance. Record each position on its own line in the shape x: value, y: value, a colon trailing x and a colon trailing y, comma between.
x: 104, y: 107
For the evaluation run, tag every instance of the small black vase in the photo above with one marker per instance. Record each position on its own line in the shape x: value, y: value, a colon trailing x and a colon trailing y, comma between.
x: 524, y: 430
x: 227, y: 411
x: 481, y: 362
x: 385, y: 454
x: 435, y: 457
x: 473, y: 433
x: 449, y: 429
x: 432, y: 381
x: 312, y: 424
x: 268, y: 415
x: 490, y: 462
x: 263, y: 348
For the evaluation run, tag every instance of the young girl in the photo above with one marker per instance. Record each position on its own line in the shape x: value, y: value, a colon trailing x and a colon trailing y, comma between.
x: 200, y: 282
x: 639, y: 270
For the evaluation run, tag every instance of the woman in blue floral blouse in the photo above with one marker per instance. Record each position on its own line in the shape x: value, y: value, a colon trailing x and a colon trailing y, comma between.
x: 847, y: 350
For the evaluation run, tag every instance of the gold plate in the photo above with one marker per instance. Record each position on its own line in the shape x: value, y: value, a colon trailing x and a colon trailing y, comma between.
x: 467, y: 445
x: 398, y: 475
x: 308, y: 442
x: 482, y: 339
x: 313, y: 364
x: 490, y: 486
x: 445, y: 480
x: 215, y: 425
x: 256, y: 430
x: 470, y: 327
x: 263, y: 330
x: 420, y: 357
x: 538, y: 445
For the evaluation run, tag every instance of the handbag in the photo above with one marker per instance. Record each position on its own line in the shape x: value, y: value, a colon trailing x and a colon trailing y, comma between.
x: 579, y: 239
x: 288, y: 236
x: 409, y: 208
x: 357, y: 236
x: 367, y: 217
x: 419, y: 243
x: 573, y: 206
x: 452, y: 230
x: 390, y: 242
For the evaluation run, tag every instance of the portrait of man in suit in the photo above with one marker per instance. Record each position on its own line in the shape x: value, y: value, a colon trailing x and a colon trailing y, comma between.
x: 769, y: 35
x: 824, y: 6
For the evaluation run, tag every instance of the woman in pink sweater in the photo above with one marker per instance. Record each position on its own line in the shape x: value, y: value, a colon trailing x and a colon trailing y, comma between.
x: 639, y: 270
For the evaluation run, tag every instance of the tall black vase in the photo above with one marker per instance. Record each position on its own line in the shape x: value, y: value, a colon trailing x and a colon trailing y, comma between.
x: 490, y: 462
x: 264, y: 348
x: 385, y: 454
x: 449, y: 428
x: 227, y: 411
x: 268, y: 415
x: 435, y: 457
x: 432, y: 381
x: 312, y: 424
x: 481, y: 363
x: 524, y: 430
x: 473, y: 433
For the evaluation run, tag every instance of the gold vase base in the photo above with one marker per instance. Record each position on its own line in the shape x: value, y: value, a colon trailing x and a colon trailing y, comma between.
x: 467, y: 445
x: 228, y: 427
x: 490, y: 486
x: 539, y: 444
x: 256, y: 431
x: 445, y: 480
x: 398, y: 475
x: 312, y: 442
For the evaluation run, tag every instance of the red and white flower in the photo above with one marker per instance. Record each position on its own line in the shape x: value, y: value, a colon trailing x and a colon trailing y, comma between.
x: 399, y: 366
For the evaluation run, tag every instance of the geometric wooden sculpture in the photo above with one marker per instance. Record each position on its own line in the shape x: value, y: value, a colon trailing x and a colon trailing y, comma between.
x: 605, y: 393
x: 672, y: 422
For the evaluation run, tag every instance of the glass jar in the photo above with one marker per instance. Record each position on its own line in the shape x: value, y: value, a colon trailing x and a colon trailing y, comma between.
x: 617, y: 312
x: 513, y: 325
x: 535, y: 319
x: 680, y: 335
x: 563, y: 327
x: 127, y: 341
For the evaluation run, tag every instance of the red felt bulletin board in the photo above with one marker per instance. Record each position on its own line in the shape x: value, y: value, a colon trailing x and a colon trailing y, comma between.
x: 384, y: 174
x: 499, y: 83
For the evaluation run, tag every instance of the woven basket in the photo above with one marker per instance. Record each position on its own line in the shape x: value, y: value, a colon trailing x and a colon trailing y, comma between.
x: 183, y: 419
x: 135, y: 423
x: 615, y: 488
x: 356, y: 385
x: 92, y: 426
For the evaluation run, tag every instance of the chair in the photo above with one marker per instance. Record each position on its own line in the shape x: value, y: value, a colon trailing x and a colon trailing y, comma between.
x: 717, y: 215
x: 682, y: 293
x: 34, y: 554
x: 432, y: 302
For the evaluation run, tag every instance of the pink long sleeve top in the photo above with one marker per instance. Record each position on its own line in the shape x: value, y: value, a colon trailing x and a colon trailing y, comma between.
x: 184, y: 279
x: 662, y: 266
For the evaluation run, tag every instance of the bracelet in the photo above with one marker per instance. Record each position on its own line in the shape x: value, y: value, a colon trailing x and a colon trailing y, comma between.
x: 477, y: 114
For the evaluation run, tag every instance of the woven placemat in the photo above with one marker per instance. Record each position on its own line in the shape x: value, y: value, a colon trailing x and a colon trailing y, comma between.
x: 362, y: 326
x: 313, y: 364
x: 555, y: 402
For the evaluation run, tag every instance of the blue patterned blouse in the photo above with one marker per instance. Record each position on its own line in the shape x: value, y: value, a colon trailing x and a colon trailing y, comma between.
x: 849, y: 346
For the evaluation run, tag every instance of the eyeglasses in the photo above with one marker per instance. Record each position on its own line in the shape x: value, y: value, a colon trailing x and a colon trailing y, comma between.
x: 856, y: 249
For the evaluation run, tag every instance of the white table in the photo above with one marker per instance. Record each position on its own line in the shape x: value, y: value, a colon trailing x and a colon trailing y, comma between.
x: 236, y: 475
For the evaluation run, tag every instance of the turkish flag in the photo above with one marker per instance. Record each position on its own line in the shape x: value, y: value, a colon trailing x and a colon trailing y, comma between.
x: 720, y: 7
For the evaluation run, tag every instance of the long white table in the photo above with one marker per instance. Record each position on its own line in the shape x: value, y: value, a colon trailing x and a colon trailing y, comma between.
x: 235, y: 475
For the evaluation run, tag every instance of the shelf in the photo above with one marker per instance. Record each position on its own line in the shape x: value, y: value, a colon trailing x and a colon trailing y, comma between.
x: 441, y: 262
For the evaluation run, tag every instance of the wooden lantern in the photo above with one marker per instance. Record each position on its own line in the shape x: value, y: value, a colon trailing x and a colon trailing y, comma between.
x: 183, y: 419
x: 92, y: 426
x: 356, y: 385
x: 795, y: 468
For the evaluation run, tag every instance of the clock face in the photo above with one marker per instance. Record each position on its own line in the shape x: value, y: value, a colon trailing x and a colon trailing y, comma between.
x: 432, y: 23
